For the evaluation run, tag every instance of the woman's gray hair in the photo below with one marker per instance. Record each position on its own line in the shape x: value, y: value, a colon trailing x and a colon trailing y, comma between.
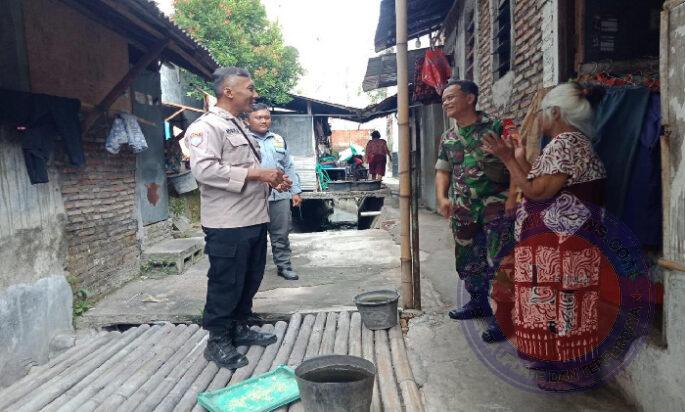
x: 574, y: 107
x: 223, y: 74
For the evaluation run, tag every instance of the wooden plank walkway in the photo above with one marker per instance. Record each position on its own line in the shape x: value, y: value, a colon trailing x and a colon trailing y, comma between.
x: 162, y: 368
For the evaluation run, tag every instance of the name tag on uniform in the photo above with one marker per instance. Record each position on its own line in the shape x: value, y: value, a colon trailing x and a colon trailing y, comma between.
x: 232, y: 130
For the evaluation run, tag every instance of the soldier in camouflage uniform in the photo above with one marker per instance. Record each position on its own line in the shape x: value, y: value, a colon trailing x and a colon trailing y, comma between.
x: 472, y: 191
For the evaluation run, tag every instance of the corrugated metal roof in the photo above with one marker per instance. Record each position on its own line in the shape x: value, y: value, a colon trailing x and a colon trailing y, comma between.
x: 319, y: 107
x: 162, y: 367
x: 381, y: 71
x: 144, y: 25
x: 300, y: 104
x: 423, y: 16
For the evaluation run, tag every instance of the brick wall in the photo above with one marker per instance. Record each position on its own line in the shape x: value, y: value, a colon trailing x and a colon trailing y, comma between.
x: 527, y: 58
x: 484, y: 61
x: 99, y: 199
x: 527, y: 55
x: 341, y: 139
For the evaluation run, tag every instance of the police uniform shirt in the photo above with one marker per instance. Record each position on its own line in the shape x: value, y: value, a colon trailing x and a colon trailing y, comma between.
x: 221, y: 152
x: 275, y: 155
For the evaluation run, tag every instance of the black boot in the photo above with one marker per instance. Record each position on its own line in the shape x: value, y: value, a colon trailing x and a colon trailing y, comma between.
x: 493, y: 333
x: 476, y: 308
x: 221, y: 351
x: 243, y: 335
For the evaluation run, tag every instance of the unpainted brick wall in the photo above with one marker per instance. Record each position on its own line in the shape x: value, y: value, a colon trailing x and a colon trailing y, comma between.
x: 99, y: 199
x: 527, y: 57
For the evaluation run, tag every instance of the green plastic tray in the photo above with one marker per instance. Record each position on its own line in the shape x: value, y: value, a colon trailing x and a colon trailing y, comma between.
x: 261, y: 393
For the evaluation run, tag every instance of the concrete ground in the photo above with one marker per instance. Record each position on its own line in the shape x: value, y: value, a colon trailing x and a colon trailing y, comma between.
x: 333, y: 268
x: 445, y: 366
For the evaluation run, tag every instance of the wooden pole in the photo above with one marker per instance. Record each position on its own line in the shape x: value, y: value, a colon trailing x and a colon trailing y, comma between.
x: 414, y: 227
x: 404, y: 153
x: 123, y: 85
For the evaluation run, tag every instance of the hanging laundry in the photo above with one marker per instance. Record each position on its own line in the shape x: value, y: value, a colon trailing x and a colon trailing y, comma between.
x: 422, y: 92
x: 125, y: 130
x: 436, y: 70
x: 40, y: 119
x: 642, y: 211
x: 618, y: 126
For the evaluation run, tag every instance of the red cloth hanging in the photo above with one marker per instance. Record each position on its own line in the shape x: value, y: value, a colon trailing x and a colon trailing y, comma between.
x: 436, y: 70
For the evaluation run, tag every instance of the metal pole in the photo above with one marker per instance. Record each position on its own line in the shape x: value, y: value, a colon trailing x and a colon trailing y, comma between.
x: 404, y: 153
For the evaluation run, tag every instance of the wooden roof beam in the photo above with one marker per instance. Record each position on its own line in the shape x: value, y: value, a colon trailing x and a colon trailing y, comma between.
x: 159, y: 35
x: 123, y: 85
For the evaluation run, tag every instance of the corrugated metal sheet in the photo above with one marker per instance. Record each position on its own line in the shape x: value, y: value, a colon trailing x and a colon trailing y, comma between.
x: 175, y: 87
x: 151, y: 182
x: 381, y: 71
x: 298, y: 132
x: 306, y: 170
x: 423, y: 16
x: 162, y: 367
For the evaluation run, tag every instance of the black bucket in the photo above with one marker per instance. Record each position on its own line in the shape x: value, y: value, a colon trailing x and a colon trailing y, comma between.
x: 336, y: 383
x: 378, y: 308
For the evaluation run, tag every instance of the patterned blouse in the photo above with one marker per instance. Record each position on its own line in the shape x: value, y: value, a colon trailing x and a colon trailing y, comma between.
x: 571, y: 154
x: 376, y: 147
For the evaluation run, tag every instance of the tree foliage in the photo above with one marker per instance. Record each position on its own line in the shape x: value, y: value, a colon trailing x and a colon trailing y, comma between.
x: 238, y: 33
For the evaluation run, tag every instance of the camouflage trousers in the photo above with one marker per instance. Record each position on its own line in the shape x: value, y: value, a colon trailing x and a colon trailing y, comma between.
x: 478, y: 256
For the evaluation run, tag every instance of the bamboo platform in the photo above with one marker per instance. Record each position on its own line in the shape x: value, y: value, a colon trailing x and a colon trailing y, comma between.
x: 162, y: 367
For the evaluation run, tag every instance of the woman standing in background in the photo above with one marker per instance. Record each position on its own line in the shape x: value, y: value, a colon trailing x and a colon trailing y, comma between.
x: 376, y: 152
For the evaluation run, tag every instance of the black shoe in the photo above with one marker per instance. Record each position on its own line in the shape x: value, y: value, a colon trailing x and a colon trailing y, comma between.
x: 288, y: 274
x: 493, y: 333
x: 243, y: 335
x: 471, y: 310
x: 221, y: 351
x: 256, y: 318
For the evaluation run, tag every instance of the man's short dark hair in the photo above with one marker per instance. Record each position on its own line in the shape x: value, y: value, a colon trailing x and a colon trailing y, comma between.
x: 222, y: 74
x: 259, y: 106
x: 466, y: 86
x: 375, y: 134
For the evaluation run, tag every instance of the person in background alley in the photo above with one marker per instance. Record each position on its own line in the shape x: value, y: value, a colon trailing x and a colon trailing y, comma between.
x: 558, y: 275
x: 274, y: 151
x: 234, y: 189
x: 376, y: 153
x: 472, y: 191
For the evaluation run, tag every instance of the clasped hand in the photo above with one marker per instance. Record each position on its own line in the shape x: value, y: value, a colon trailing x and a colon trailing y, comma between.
x: 497, y: 146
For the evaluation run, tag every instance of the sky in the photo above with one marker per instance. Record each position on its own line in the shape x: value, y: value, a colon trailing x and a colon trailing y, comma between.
x: 334, y: 40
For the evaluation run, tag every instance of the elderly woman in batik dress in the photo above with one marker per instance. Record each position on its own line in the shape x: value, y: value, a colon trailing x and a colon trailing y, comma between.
x: 556, y: 274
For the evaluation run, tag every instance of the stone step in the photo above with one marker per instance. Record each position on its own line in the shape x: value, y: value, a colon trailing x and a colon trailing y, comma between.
x: 174, y: 253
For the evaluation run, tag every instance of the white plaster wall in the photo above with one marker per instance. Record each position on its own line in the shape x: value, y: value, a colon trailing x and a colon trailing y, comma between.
x: 31, y: 316
x: 35, y: 298
x: 550, y: 43
x: 656, y: 377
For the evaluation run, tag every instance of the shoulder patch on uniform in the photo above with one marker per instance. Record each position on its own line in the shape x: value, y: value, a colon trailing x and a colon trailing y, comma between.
x: 279, y: 142
x: 196, y: 138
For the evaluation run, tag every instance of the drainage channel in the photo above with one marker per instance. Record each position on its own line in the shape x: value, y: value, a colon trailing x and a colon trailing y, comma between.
x: 322, y: 215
